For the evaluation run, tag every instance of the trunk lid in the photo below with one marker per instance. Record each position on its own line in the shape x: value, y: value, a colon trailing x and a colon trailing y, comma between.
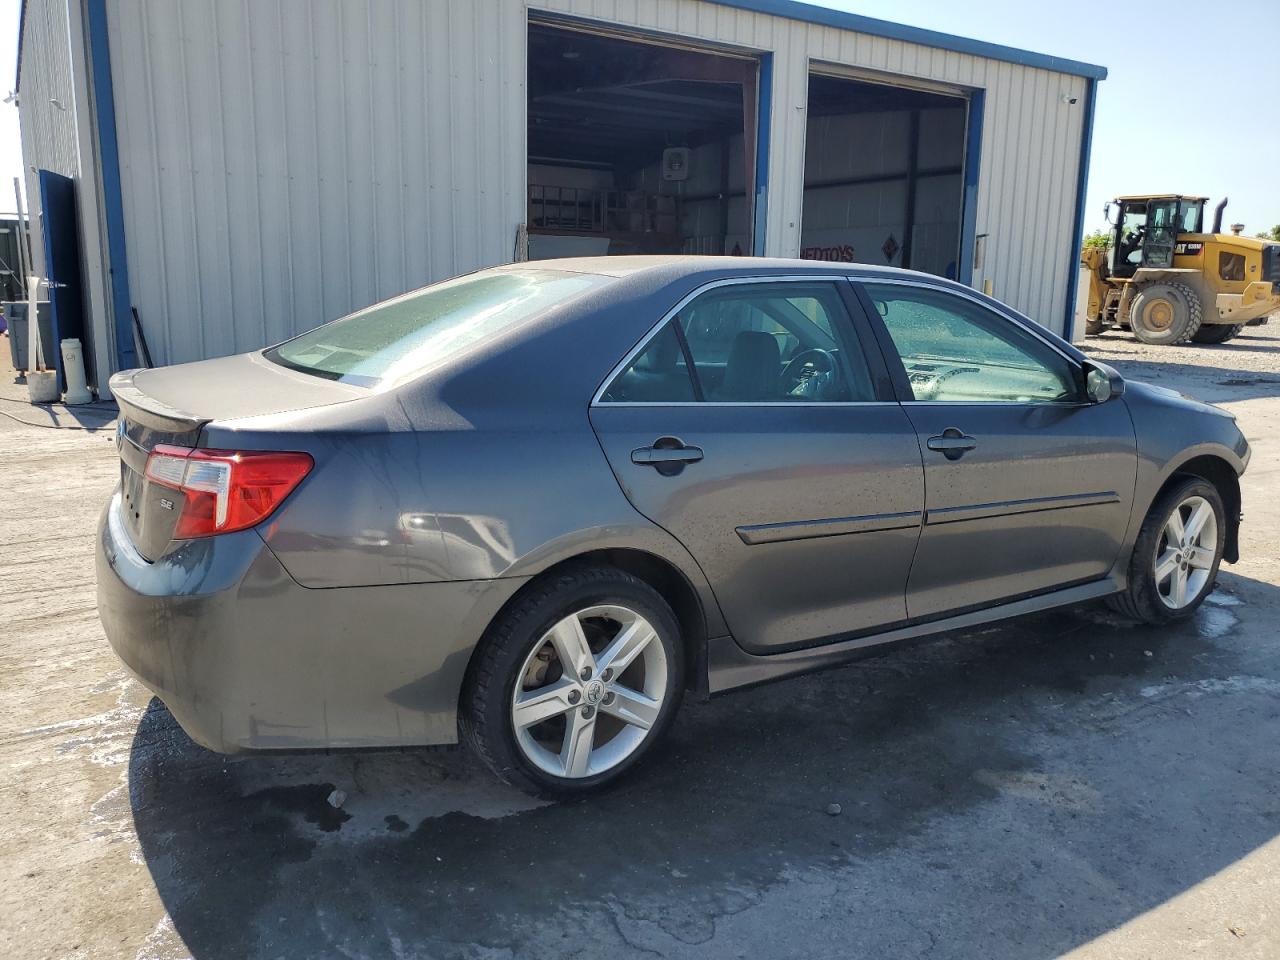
x: 172, y: 405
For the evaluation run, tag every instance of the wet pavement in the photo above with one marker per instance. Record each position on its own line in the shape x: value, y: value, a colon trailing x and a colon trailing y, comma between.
x: 1065, y: 782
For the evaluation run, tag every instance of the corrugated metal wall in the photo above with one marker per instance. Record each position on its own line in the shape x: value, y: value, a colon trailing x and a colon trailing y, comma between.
x: 48, y: 128
x: 285, y: 161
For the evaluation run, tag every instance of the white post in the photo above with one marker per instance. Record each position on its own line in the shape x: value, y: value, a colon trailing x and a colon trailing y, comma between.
x: 22, y: 228
x: 35, y: 358
x: 73, y: 370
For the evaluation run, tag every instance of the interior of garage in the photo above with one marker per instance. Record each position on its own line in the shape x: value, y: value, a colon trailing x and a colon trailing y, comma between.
x: 636, y: 146
x: 883, y: 175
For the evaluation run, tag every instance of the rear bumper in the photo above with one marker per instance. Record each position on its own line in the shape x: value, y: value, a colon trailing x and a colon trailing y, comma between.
x: 246, y: 659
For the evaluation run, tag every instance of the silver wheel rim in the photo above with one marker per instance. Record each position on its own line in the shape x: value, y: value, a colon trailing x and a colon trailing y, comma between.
x: 589, y: 692
x: 1185, y: 553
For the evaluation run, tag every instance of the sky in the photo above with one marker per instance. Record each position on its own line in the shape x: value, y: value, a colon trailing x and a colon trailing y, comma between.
x: 1189, y: 105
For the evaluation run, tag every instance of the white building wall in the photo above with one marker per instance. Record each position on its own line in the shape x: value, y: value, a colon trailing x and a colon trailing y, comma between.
x: 60, y: 137
x: 48, y: 129
x: 286, y: 161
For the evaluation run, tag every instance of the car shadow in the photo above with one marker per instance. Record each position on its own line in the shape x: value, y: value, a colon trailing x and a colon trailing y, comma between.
x: 1057, y: 776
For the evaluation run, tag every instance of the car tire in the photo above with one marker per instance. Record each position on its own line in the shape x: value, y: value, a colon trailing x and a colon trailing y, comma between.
x: 1151, y: 595
x: 512, y: 679
x: 1217, y: 332
x: 1165, y: 313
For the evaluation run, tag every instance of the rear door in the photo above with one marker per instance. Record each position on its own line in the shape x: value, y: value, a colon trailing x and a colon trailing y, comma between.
x: 755, y: 428
x: 1028, y: 484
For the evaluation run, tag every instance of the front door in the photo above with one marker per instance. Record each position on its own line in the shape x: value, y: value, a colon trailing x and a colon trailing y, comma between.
x: 1028, y: 484
x: 1162, y: 234
x: 755, y: 429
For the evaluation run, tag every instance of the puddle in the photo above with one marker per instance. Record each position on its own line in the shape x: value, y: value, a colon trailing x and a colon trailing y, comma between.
x: 1215, y: 621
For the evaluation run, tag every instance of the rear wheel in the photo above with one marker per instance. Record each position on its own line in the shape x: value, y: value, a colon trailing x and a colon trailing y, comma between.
x: 1175, y: 559
x: 1217, y: 332
x: 1165, y: 313
x: 575, y: 683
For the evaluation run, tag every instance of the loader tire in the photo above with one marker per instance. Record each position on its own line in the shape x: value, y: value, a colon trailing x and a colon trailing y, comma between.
x: 1217, y: 332
x: 1165, y: 313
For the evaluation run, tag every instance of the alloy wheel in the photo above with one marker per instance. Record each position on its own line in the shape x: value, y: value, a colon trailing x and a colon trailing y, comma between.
x: 589, y: 691
x: 1186, y: 552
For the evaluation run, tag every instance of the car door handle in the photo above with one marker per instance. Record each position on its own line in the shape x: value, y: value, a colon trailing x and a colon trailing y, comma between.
x: 952, y: 443
x: 666, y: 451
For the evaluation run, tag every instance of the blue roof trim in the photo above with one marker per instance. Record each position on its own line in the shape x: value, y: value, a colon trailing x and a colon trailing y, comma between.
x: 825, y: 16
x: 112, y: 201
x: 1082, y: 185
x: 22, y: 28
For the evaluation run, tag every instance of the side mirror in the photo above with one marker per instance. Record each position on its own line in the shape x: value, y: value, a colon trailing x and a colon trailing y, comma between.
x: 1102, y: 383
x: 1106, y: 212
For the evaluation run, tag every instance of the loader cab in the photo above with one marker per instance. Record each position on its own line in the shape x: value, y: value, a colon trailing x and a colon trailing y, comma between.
x: 1146, y: 230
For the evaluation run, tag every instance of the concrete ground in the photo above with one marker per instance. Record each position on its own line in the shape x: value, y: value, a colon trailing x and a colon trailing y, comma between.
x: 1064, y: 784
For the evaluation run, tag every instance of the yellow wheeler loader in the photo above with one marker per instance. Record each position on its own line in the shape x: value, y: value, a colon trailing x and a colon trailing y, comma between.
x: 1169, y: 281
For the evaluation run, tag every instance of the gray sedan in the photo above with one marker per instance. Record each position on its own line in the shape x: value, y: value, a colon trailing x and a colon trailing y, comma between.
x: 535, y: 506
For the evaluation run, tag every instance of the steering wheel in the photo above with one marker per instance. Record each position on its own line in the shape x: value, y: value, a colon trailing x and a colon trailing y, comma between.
x: 809, y: 372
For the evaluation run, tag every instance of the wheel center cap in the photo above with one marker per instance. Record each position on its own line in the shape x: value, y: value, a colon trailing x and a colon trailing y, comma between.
x: 593, y: 692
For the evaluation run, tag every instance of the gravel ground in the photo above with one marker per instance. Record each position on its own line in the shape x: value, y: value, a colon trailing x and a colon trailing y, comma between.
x: 1063, y: 784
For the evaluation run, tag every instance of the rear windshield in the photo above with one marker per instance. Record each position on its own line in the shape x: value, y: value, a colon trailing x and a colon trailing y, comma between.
x: 412, y: 333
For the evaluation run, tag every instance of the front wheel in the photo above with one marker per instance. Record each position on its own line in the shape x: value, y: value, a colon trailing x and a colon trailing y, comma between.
x: 1175, y: 559
x: 575, y: 683
x: 1165, y: 313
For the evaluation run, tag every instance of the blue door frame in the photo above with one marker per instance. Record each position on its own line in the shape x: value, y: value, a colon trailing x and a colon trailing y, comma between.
x: 969, y: 203
x: 104, y: 108
x: 764, y: 121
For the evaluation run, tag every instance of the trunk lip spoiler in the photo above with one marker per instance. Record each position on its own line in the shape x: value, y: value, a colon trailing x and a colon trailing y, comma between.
x: 149, y: 411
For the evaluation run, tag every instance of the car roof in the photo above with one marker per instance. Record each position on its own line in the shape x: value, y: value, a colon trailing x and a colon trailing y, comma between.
x: 678, y: 265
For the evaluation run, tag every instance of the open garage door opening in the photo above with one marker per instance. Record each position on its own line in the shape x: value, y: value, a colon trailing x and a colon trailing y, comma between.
x: 883, y: 175
x: 637, y: 146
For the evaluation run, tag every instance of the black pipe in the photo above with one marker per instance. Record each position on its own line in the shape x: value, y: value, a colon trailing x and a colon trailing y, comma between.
x: 1217, y: 216
x: 141, y: 338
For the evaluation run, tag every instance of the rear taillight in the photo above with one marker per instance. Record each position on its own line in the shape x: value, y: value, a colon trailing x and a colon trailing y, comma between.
x: 225, y: 490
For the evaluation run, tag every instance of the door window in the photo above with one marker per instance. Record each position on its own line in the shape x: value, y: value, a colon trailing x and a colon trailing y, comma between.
x: 959, y: 351
x: 763, y: 342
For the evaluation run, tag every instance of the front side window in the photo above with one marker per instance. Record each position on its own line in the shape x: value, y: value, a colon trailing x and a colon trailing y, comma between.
x: 959, y: 351
x: 763, y: 342
x: 412, y: 333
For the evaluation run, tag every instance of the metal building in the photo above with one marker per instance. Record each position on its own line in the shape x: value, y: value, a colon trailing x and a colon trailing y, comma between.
x: 245, y: 171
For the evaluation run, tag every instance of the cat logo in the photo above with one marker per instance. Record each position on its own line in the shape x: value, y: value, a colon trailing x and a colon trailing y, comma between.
x: 1188, y: 249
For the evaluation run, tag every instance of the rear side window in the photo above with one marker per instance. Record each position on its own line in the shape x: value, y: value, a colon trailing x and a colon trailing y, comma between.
x: 414, y: 332
x: 769, y: 342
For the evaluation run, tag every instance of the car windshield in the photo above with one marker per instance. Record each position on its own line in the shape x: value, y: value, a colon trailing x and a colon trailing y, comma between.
x: 417, y: 331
